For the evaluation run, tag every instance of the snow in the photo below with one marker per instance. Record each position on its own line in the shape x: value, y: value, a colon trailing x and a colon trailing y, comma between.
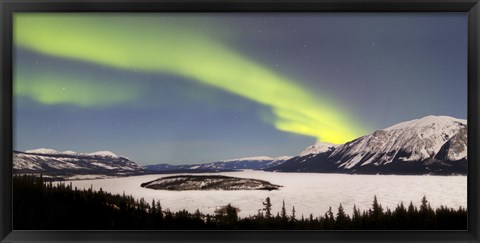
x: 249, y: 159
x: 352, y: 162
x: 282, y: 158
x: 68, y: 160
x: 452, y: 155
x: 69, y: 152
x: 28, y: 165
x: 134, y: 167
x: 60, y: 165
x: 308, y: 192
x: 317, y: 148
x: 423, y: 138
x: 104, y: 154
x: 427, y: 121
x: 87, y: 177
x: 279, y: 160
x: 103, y: 165
x: 42, y: 151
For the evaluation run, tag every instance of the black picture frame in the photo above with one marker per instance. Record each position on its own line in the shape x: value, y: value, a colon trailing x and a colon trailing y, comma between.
x: 8, y: 7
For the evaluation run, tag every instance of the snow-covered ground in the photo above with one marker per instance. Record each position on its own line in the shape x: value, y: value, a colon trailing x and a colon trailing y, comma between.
x: 308, y: 192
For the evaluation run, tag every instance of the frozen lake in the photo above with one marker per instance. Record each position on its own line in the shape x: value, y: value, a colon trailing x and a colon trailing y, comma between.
x: 308, y: 192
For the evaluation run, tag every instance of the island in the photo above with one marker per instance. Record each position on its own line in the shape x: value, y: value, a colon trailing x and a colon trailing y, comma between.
x: 208, y: 182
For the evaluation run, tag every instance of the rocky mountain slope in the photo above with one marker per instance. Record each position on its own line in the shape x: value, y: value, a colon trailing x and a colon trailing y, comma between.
x: 430, y: 145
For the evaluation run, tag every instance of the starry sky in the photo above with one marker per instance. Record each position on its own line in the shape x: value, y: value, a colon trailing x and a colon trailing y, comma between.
x: 185, y: 88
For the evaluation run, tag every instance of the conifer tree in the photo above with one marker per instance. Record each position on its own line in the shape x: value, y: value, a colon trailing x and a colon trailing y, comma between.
x: 424, y: 206
x: 356, y: 218
x: 153, y: 209
x: 227, y: 215
x: 427, y: 215
x: 411, y: 209
x: 376, y: 214
x: 159, y: 209
x: 284, y: 211
x: 198, y: 215
x: 330, y: 213
x: 356, y: 213
x: 342, y: 220
x: 292, y: 218
x: 267, y: 208
x: 401, y: 217
x: 377, y: 209
x: 260, y: 213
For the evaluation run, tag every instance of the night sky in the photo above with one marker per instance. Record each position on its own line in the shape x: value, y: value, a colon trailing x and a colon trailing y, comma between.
x: 186, y: 88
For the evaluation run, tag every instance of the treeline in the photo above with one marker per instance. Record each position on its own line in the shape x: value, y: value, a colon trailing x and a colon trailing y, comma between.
x: 41, y: 206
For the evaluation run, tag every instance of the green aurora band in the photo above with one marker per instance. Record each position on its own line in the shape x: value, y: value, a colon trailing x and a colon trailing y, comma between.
x: 62, y: 87
x: 131, y: 43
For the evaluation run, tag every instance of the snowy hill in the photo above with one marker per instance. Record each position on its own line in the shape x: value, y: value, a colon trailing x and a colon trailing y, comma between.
x: 70, y: 164
x: 67, y: 163
x: 430, y: 145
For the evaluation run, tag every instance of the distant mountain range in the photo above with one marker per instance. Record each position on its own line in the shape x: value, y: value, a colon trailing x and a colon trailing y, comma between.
x: 250, y: 163
x: 69, y: 164
x: 430, y: 145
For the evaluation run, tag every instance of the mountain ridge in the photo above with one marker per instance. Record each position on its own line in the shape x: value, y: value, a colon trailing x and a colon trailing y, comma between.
x: 429, y: 145
x: 432, y: 144
x: 52, y: 163
x: 247, y: 163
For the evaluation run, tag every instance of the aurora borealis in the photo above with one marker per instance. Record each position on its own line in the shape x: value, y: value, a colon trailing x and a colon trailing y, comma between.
x: 150, y: 86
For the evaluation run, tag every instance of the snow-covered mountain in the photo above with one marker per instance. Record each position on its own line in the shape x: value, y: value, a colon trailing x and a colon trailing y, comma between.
x: 70, y: 164
x: 45, y: 151
x: 249, y: 163
x: 430, y: 145
x: 318, y: 148
x: 63, y: 164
